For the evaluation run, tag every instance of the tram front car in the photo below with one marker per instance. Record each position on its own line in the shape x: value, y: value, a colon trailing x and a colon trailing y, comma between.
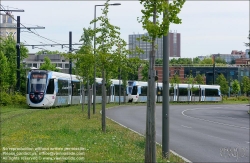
x: 36, y: 89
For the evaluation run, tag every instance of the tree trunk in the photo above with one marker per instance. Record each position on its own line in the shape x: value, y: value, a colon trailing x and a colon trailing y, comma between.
x: 83, y: 98
x: 150, y: 147
x: 103, y: 101
x: 89, y: 100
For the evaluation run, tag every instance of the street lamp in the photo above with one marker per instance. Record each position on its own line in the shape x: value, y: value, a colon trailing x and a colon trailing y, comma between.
x: 94, y: 99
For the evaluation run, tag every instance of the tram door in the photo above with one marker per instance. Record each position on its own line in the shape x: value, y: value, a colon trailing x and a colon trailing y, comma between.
x: 70, y: 92
x: 202, y: 94
x: 112, y: 95
x: 175, y: 93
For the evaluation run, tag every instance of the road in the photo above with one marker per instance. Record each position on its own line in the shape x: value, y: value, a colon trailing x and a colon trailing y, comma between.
x: 200, y: 133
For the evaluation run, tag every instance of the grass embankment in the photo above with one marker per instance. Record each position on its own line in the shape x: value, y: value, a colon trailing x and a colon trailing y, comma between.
x: 66, y: 135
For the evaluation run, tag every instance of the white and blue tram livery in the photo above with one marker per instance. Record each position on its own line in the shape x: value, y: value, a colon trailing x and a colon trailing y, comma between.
x: 48, y: 88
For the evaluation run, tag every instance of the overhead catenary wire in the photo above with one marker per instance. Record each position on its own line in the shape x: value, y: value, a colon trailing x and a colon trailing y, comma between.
x: 63, y: 45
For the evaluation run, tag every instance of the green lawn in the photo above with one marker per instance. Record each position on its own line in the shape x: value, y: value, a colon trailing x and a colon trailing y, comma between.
x: 66, y: 135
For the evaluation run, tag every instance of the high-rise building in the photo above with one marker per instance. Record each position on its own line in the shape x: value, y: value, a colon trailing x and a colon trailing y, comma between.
x: 7, y: 23
x: 174, y: 46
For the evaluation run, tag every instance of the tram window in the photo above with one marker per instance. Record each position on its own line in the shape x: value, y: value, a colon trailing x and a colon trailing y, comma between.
x: 144, y: 91
x: 117, y: 90
x: 211, y: 92
x: 76, y: 88
x: 196, y: 91
x: 98, y: 89
x: 63, y: 88
x: 183, y: 92
x: 134, y: 90
x: 51, y: 87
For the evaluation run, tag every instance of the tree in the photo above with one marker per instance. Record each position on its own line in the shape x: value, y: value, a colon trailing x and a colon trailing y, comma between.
x: 220, y: 60
x: 245, y: 85
x: 84, y: 61
x: 8, y: 49
x: 248, y: 43
x: 4, y: 84
x: 235, y: 87
x: 196, y: 60
x: 144, y: 71
x: 199, y: 79
x: 47, y: 65
x: 222, y: 81
x: 156, y: 29
x: 207, y: 60
x: 106, y: 58
x: 191, y: 81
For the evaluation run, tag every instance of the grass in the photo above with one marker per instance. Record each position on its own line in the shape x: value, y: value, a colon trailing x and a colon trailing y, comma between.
x: 67, y: 129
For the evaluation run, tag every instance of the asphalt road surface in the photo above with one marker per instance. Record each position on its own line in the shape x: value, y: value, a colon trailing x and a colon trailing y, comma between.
x: 200, y: 133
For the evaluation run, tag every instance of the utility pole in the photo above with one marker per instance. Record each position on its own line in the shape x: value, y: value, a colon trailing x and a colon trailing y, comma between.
x: 165, y: 98
x: 213, y: 58
x: 70, y: 50
x: 18, y: 55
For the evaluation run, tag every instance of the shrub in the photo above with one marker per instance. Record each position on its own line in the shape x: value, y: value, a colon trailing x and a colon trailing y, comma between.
x: 5, y: 99
x: 9, y: 99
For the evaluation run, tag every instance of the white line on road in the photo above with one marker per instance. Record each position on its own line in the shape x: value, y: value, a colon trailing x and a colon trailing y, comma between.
x: 247, y: 142
x: 186, y: 126
x: 225, y: 124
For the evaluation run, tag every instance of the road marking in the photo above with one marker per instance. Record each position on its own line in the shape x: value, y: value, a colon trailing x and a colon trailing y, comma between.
x: 247, y: 142
x: 225, y: 124
x: 186, y: 126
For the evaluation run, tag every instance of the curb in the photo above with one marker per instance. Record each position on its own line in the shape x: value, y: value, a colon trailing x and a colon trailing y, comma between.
x: 185, y: 159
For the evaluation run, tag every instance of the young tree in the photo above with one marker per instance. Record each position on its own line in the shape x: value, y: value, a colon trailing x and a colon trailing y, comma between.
x: 235, y: 87
x: 84, y: 63
x: 156, y: 29
x: 199, y: 79
x: 245, y: 84
x: 191, y: 81
x: 222, y: 81
x: 47, y: 65
x: 106, y: 57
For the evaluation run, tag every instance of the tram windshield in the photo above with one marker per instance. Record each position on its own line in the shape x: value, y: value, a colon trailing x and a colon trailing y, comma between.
x: 38, y: 82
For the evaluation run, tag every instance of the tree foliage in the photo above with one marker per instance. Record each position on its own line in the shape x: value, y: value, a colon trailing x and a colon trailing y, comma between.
x: 8, y: 67
x: 200, y: 79
x: 47, y: 65
x: 235, y: 87
x: 245, y: 84
x: 222, y: 81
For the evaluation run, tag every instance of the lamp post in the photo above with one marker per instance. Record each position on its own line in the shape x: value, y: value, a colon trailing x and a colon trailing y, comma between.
x: 94, y: 99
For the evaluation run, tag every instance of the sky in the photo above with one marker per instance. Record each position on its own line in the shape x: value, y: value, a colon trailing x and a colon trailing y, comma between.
x: 208, y: 27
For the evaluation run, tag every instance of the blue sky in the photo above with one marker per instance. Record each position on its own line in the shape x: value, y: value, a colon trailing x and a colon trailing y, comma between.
x: 208, y: 27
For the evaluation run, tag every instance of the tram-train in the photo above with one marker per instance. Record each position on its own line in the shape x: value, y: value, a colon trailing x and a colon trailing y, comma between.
x: 177, y: 92
x: 47, y: 89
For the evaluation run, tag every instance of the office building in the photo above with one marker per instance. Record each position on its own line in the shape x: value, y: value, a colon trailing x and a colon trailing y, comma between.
x: 174, y: 46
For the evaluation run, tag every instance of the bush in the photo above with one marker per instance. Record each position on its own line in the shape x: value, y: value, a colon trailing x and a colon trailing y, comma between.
x: 9, y: 99
x: 239, y: 98
x: 5, y: 99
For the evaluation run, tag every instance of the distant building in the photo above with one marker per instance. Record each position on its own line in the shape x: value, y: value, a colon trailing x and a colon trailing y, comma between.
x: 34, y: 61
x: 174, y: 46
x: 229, y: 58
x: 7, y: 25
